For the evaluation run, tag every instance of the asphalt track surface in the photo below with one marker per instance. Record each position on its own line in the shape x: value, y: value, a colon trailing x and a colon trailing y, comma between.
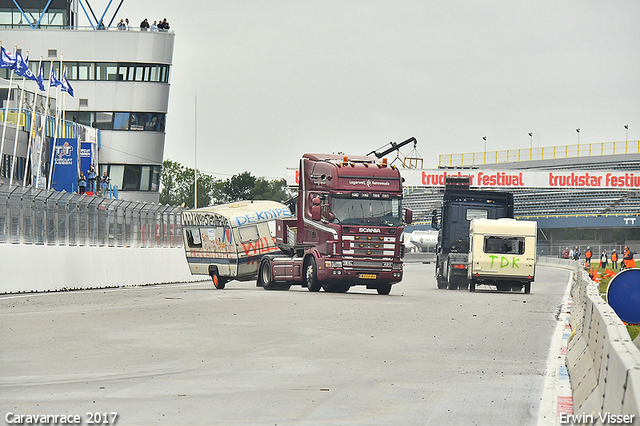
x: 188, y: 354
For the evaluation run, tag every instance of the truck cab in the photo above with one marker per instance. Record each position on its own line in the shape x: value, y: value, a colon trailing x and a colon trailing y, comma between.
x: 348, y: 228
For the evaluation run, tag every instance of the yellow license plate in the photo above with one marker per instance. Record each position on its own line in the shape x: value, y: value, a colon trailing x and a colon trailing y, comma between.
x: 368, y: 276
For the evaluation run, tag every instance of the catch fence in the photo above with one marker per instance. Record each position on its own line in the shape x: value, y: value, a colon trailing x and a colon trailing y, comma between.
x: 43, y: 217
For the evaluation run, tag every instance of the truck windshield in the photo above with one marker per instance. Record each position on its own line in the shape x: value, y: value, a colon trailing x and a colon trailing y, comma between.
x: 349, y: 211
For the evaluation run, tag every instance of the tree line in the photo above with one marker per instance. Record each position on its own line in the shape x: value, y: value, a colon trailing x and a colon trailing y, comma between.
x: 177, y: 188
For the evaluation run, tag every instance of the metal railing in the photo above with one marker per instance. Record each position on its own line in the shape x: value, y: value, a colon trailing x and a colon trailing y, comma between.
x: 43, y: 217
x: 540, y: 153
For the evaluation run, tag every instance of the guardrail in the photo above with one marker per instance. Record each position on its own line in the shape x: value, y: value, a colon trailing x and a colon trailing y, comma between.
x: 603, y: 362
x: 540, y: 153
x: 43, y: 217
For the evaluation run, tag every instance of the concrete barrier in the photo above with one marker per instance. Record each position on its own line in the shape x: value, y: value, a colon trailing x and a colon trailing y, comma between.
x: 603, y: 362
x: 26, y: 268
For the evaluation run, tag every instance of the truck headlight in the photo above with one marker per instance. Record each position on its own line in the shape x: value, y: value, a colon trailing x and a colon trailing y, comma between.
x: 397, y: 266
x: 333, y: 264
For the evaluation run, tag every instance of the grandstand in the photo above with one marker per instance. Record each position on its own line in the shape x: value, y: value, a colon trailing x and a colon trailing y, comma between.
x: 601, y: 217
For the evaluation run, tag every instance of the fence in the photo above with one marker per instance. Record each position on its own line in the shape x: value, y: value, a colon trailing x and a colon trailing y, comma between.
x: 42, y: 217
x: 540, y: 153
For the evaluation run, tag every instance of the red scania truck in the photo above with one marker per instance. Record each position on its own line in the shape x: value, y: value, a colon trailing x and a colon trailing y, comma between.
x: 347, y: 227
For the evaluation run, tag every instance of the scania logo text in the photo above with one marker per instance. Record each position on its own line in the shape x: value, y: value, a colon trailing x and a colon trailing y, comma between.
x: 370, y: 230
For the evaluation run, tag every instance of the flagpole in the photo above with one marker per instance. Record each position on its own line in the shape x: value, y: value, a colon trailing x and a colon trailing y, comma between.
x: 6, y: 113
x: 55, y: 137
x: 31, y: 127
x: 44, y: 131
x: 15, y: 140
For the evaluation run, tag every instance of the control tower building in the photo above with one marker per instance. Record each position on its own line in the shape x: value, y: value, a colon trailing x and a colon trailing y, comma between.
x: 120, y: 79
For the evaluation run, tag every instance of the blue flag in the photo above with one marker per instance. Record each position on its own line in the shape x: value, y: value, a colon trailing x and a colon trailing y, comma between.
x: 6, y: 60
x: 66, y: 87
x: 40, y: 78
x: 53, y: 81
x: 22, y: 67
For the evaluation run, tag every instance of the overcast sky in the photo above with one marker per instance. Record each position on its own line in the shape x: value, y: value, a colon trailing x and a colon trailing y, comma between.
x: 275, y: 79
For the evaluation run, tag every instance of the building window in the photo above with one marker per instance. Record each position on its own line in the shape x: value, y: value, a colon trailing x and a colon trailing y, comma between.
x: 133, y: 121
x: 104, y: 120
x: 121, y: 121
x: 132, y: 177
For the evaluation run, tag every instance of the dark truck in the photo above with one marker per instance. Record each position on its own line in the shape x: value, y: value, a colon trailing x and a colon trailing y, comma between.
x: 460, y: 205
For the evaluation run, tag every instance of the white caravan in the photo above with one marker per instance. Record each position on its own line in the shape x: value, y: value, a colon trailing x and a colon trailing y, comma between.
x: 228, y: 241
x: 502, y: 253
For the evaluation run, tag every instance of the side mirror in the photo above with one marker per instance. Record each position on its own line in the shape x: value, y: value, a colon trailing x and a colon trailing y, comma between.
x: 408, y: 216
x: 434, y: 219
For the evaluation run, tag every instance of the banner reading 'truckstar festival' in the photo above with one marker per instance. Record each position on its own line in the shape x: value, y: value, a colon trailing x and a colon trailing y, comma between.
x: 479, y: 178
x: 65, y: 165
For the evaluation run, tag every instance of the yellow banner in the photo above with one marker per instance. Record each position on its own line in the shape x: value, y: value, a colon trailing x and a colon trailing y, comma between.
x: 12, y: 118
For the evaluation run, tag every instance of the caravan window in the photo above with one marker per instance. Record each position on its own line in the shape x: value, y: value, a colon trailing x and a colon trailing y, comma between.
x: 249, y: 233
x: 504, y: 245
x: 193, y: 237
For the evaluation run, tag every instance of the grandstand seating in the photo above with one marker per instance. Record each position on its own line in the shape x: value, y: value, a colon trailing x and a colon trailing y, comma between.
x: 532, y: 202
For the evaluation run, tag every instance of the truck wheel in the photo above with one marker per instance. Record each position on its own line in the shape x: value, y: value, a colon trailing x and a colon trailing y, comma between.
x: 472, y: 287
x: 265, y: 274
x: 342, y: 288
x: 311, y: 275
x: 527, y: 288
x: 217, y: 281
x: 384, y: 289
x: 450, y: 284
x: 440, y: 280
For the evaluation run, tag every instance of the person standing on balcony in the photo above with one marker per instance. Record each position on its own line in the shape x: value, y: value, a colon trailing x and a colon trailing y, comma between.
x: 82, y: 183
x: 104, y: 183
x: 91, y: 176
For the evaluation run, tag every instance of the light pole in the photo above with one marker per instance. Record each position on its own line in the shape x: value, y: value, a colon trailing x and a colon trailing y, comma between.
x: 530, y: 140
x: 195, y: 152
x: 626, y: 133
x: 485, y: 143
x: 578, y: 130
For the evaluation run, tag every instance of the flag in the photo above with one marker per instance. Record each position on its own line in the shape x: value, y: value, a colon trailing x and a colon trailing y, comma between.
x: 66, y: 87
x: 40, y: 78
x: 22, y: 67
x: 53, y: 81
x: 6, y: 60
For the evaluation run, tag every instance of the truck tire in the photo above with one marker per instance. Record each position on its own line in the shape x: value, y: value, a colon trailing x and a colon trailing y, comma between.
x: 265, y: 274
x: 384, y: 289
x: 217, y: 281
x: 451, y: 285
x: 527, y: 288
x: 441, y: 281
x: 311, y: 275
x: 472, y: 287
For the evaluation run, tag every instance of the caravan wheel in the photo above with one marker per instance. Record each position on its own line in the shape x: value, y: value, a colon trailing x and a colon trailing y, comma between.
x: 217, y: 281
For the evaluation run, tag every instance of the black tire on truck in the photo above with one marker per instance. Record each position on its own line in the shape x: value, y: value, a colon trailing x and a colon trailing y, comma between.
x: 472, y: 287
x: 215, y: 277
x: 265, y: 275
x: 311, y: 275
x: 527, y: 288
x: 384, y: 289
x: 451, y: 285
